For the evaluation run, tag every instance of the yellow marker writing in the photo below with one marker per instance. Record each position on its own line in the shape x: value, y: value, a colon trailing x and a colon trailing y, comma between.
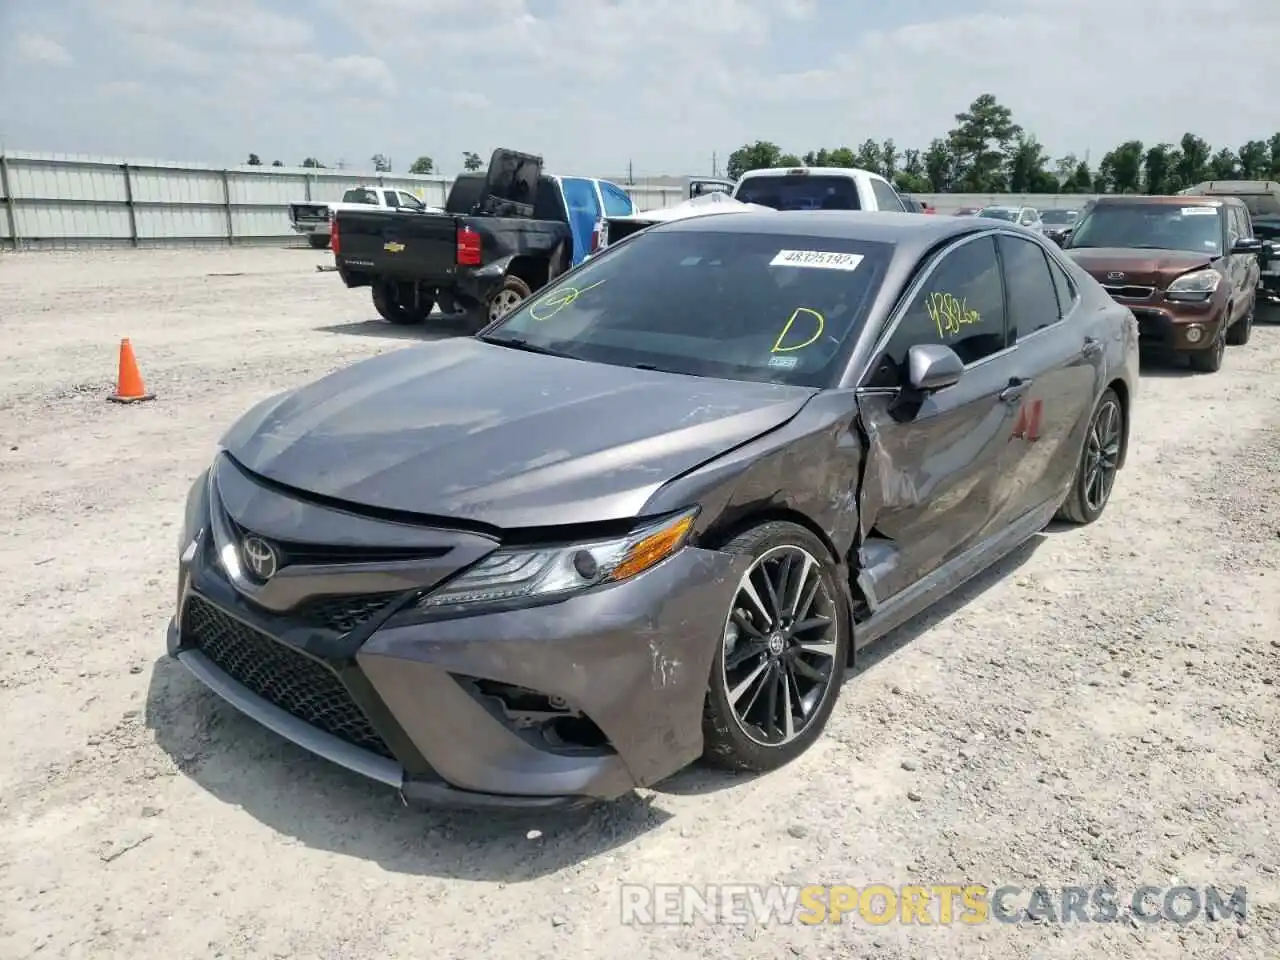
x: 548, y: 308
x: 950, y: 314
x: 822, y: 323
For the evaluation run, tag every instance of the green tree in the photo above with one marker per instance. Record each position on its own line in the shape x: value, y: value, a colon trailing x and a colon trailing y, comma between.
x: 1026, y: 164
x: 1273, y: 146
x: 753, y: 156
x: 790, y: 160
x: 842, y: 157
x: 422, y: 165
x: 979, y: 144
x: 1082, y: 180
x: 471, y: 162
x: 253, y: 160
x: 1193, y: 163
x: 1254, y: 163
x: 868, y: 157
x: 939, y: 166
x: 1157, y: 167
x: 1123, y: 167
x: 276, y: 163
x: 817, y: 158
x: 313, y: 164
x: 380, y: 163
x: 889, y: 158
x: 1224, y: 165
x: 1065, y: 168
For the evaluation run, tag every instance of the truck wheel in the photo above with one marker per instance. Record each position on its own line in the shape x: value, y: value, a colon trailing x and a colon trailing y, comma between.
x: 505, y: 299
x: 318, y: 241
x: 387, y: 304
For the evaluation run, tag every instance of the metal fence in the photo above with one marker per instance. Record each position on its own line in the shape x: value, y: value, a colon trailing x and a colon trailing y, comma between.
x: 56, y: 200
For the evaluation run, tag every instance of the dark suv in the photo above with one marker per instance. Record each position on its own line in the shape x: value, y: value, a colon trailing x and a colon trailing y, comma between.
x: 1186, y: 266
x: 1262, y: 197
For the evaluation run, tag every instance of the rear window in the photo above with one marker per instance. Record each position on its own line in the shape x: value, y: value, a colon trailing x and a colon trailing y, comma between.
x: 1054, y: 217
x: 998, y: 213
x: 360, y: 195
x: 744, y: 306
x: 800, y: 192
x: 1263, y: 204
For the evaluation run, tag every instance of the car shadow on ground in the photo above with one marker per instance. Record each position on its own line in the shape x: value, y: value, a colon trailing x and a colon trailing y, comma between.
x: 437, y: 327
x: 325, y: 807
x: 699, y: 779
x: 1164, y: 366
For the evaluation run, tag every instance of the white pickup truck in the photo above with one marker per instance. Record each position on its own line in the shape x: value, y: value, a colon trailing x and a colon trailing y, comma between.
x: 314, y: 219
x: 818, y: 188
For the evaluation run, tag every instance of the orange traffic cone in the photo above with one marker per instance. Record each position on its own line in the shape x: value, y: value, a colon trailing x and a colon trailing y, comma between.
x: 129, y: 386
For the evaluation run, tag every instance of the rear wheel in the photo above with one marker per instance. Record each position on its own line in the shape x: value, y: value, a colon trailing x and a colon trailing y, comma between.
x: 780, y: 663
x: 1241, y: 330
x: 318, y: 241
x: 502, y: 301
x: 386, y: 300
x: 1099, y: 463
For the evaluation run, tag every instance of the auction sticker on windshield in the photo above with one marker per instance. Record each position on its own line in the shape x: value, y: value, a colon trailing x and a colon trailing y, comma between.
x: 1199, y: 211
x: 819, y: 259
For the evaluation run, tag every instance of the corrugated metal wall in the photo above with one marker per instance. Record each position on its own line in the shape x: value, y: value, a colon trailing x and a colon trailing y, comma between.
x: 55, y: 200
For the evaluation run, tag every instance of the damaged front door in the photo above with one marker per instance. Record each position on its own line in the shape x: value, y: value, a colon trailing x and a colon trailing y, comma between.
x: 931, y: 486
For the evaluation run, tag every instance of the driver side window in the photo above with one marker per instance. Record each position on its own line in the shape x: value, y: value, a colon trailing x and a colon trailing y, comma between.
x: 961, y: 305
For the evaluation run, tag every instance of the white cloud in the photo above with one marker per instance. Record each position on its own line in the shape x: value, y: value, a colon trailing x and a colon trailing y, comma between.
x: 595, y: 84
x: 39, y: 49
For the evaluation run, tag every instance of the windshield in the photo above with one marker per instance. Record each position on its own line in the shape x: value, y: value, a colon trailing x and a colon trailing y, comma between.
x: 740, y: 306
x: 799, y: 192
x: 360, y: 195
x: 1058, y: 216
x: 998, y: 213
x: 1154, y: 226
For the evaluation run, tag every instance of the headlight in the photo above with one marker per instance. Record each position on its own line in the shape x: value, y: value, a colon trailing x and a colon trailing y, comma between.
x: 1200, y: 282
x: 544, y: 572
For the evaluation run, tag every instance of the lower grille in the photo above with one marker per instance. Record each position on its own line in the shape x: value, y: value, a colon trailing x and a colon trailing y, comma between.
x: 292, y: 681
x: 343, y: 614
x: 1130, y: 292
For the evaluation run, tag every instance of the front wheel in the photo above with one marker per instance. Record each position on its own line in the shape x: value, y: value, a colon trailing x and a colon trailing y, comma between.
x: 1099, y: 462
x: 1210, y: 360
x: 780, y: 663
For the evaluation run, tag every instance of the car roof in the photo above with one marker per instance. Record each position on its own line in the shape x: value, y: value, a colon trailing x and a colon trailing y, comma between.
x: 809, y: 171
x: 1180, y: 200
x: 876, y: 227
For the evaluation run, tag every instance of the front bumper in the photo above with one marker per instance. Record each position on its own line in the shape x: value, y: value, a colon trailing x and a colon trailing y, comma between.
x: 1169, y: 327
x: 440, y: 710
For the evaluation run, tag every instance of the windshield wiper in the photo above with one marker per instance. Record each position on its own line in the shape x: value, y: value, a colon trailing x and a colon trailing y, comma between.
x: 519, y: 343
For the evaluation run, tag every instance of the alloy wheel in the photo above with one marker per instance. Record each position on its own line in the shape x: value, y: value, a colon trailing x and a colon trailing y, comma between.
x: 503, y: 301
x: 780, y: 646
x: 1102, y: 455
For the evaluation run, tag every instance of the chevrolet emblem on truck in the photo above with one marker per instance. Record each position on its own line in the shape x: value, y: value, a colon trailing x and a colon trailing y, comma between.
x: 393, y: 246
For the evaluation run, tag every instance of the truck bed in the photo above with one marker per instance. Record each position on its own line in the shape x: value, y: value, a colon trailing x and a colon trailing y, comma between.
x: 399, y: 245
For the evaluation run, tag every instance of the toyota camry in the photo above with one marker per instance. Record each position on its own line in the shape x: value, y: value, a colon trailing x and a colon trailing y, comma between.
x: 651, y: 514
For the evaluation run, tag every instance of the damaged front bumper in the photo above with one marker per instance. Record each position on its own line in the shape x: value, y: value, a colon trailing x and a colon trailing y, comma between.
x: 583, y: 699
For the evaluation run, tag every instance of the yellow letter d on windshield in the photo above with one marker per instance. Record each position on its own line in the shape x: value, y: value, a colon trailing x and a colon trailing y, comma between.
x: 814, y: 315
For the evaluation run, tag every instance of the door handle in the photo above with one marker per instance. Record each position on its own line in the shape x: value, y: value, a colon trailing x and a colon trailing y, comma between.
x: 1092, y: 347
x: 1014, y: 391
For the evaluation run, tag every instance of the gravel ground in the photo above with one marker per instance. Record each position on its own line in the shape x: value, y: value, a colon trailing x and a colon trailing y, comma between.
x: 1100, y: 708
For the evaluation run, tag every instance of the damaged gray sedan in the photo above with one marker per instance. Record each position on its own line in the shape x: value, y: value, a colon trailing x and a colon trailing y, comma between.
x: 650, y: 514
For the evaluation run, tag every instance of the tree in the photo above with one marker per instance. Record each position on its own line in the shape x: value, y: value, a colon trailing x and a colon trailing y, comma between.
x: 869, y: 157
x: 1123, y: 167
x: 381, y: 164
x: 755, y: 156
x: 889, y: 159
x: 313, y: 163
x: 1026, y: 165
x: 979, y: 144
x: 422, y: 165
x: 276, y: 163
x: 1254, y: 163
x: 253, y: 160
x: 1273, y: 146
x: 939, y: 166
x: 790, y: 160
x: 471, y: 162
x: 1193, y: 164
x: 1224, y: 165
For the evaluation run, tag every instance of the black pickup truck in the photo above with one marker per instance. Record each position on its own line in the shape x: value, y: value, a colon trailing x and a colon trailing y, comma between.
x: 502, y: 236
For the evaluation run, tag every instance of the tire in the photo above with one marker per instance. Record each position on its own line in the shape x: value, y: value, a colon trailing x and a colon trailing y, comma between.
x: 734, y: 743
x: 318, y: 241
x: 385, y: 301
x: 1081, y: 505
x: 1240, y: 332
x: 512, y: 292
x: 1209, y: 361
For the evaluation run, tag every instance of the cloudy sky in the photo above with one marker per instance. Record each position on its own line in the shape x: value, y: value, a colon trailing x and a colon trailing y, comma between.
x: 595, y: 84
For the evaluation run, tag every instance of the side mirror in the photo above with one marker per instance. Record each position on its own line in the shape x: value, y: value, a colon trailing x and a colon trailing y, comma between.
x: 932, y: 367
x: 1248, y: 245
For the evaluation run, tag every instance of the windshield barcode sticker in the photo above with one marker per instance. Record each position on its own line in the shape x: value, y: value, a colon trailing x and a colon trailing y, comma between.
x: 1199, y: 211
x: 819, y: 259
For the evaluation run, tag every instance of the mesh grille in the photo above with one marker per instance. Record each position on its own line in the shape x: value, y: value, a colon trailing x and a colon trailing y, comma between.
x: 291, y: 680
x: 343, y: 614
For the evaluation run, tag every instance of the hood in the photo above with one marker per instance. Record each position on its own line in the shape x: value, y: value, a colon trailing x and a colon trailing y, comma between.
x: 473, y: 431
x: 1148, y: 268
x: 707, y: 203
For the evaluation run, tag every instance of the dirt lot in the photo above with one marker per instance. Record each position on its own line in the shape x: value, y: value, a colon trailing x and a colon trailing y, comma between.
x: 1101, y: 708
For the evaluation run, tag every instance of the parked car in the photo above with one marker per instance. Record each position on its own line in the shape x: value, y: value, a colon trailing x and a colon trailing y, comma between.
x: 650, y: 514
x: 1262, y: 198
x: 912, y: 205
x: 314, y: 219
x: 613, y: 229
x: 1187, y: 266
x: 701, y: 186
x: 1058, y: 224
x: 502, y: 235
x: 1027, y: 217
x: 967, y: 212
x: 818, y: 188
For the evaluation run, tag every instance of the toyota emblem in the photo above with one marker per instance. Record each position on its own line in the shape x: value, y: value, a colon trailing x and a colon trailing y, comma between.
x: 259, y: 557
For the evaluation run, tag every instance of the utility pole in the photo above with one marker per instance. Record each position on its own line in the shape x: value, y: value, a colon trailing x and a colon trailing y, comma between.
x: 715, y: 167
x: 631, y: 175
